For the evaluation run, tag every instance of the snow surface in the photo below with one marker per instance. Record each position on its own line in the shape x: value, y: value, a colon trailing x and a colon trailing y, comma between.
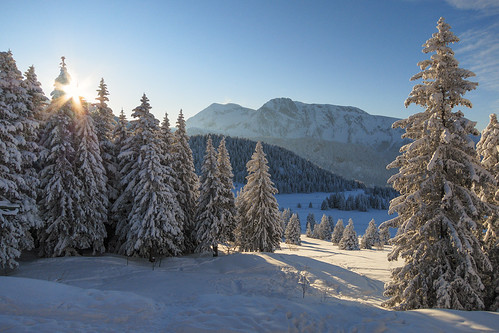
x: 241, y: 292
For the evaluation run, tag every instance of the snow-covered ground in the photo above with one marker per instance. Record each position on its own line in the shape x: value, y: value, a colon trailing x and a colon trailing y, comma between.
x: 241, y: 292
x: 360, y: 219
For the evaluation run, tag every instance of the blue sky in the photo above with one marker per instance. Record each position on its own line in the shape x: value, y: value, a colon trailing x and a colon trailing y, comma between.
x: 189, y: 54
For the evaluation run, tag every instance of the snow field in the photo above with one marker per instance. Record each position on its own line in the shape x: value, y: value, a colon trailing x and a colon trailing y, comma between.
x: 241, y: 292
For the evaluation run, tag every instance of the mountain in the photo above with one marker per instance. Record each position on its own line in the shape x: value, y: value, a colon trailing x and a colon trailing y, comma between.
x: 342, y: 139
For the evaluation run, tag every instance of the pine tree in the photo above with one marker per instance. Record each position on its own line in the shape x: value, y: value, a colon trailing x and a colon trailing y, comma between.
x: 310, y: 224
x: 286, y: 215
x: 60, y: 187
x: 438, y: 211
x: 259, y: 228
x: 187, y: 187
x: 104, y: 126
x: 384, y: 235
x: 227, y: 200
x: 324, y: 231
x: 91, y: 209
x: 349, y: 240
x: 120, y: 209
x: 38, y: 102
x: 309, y: 232
x: 209, y: 213
x: 152, y: 227
x: 18, y: 181
x: 338, y: 232
x: 487, y: 149
x: 293, y: 232
x: 371, y: 237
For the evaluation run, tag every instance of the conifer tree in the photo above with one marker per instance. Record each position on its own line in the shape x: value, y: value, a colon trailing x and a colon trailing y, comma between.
x: 60, y: 187
x: 105, y: 123
x: 209, y: 213
x: 371, y: 237
x: 38, y: 102
x: 310, y: 224
x: 338, y: 232
x: 349, y: 240
x: 18, y: 211
x: 293, y: 232
x: 187, y: 187
x: 152, y: 227
x: 487, y: 148
x: 91, y: 209
x: 227, y: 200
x: 119, y: 209
x: 384, y: 235
x: 259, y: 228
x: 285, y: 216
x: 324, y: 231
x: 438, y: 210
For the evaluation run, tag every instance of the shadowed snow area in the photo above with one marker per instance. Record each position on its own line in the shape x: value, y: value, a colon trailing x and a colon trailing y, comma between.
x: 310, y: 288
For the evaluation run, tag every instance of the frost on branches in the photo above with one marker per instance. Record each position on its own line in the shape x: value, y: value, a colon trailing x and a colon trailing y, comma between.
x: 371, y: 237
x: 339, y: 228
x: 18, y: 181
x: 438, y: 211
x: 226, y: 200
x: 259, y: 226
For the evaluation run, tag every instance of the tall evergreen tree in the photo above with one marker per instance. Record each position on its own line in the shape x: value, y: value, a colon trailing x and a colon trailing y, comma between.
x: 187, y: 187
x: 152, y: 227
x: 324, y: 231
x: 91, y: 209
x: 38, y: 102
x: 209, y: 213
x: 105, y: 123
x: 371, y: 236
x: 227, y: 200
x: 259, y: 227
x: 18, y: 181
x: 487, y: 148
x: 349, y: 239
x: 438, y: 211
x: 310, y: 224
x: 293, y: 232
x: 338, y: 232
x: 60, y: 187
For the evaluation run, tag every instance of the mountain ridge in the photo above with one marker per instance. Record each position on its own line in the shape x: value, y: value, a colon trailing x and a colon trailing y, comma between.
x: 343, y: 139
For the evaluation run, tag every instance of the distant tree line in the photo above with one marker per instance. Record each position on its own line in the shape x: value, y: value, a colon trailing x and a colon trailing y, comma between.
x: 372, y: 198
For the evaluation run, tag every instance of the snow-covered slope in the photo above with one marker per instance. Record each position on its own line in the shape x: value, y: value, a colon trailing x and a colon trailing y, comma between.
x: 241, y: 292
x: 343, y: 139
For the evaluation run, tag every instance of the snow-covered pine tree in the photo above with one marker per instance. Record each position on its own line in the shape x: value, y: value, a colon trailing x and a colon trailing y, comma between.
x: 487, y: 148
x: 349, y: 240
x: 227, y: 200
x: 371, y: 237
x: 105, y: 123
x: 152, y: 227
x: 286, y: 215
x: 339, y: 228
x: 209, y: 212
x: 187, y: 187
x: 310, y: 224
x: 38, y: 102
x: 60, y: 187
x: 324, y: 231
x: 92, y: 206
x: 259, y: 227
x: 438, y: 211
x: 18, y: 181
x: 293, y: 232
x: 119, y: 209
x: 384, y: 235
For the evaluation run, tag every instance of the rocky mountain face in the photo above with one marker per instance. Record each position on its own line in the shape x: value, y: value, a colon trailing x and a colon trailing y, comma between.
x: 342, y: 139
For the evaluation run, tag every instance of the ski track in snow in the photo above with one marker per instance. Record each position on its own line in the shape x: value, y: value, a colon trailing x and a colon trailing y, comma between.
x: 241, y: 292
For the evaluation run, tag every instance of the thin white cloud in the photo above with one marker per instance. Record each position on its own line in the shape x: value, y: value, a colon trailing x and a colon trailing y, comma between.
x: 479, y: 52
x: 485, y: 6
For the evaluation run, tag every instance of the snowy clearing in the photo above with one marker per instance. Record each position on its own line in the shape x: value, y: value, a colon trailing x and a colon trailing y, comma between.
x: 242, y: 292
